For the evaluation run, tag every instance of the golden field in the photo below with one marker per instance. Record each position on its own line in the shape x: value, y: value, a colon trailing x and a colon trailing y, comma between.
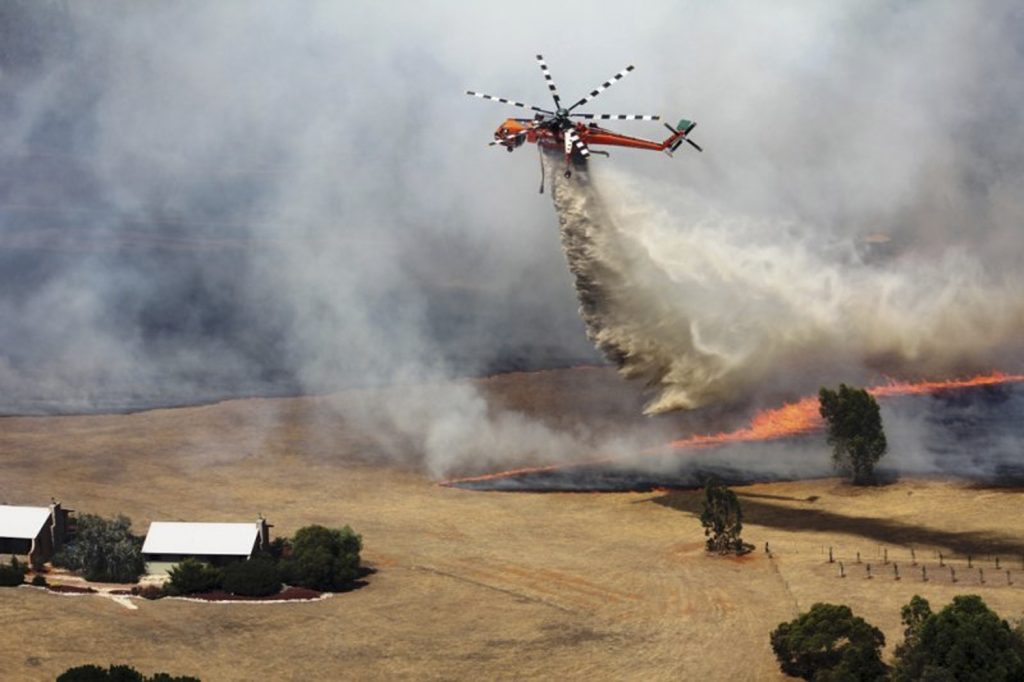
x: 475, y: 585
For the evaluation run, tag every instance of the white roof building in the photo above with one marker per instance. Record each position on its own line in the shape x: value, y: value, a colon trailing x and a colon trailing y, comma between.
x: 202, y: 539
x: 23, y: 523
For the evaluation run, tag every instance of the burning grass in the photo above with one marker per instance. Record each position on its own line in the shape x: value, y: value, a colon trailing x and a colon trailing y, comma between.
x: 787, y: 422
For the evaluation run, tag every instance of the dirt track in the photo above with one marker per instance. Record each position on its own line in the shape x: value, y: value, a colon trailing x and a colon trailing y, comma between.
x: 472, y: 584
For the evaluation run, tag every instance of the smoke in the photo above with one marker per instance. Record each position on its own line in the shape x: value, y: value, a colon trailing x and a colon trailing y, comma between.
x: 708, y: 306
x: 202, y: 200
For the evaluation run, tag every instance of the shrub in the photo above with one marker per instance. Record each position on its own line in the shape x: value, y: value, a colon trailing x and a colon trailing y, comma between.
x: 323, y: 558
x: 192, y: 576
x: 104, y: 550
x: 280, y: 548
x: 39, y: 580
x: 84, y: 673
x: 150, y: 591
x: 257, y: 577
x: 116, y: 673
x: 12, y: 574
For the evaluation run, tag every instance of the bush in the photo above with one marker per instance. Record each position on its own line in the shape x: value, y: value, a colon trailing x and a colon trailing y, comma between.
x: 829, y: 643
x: 12, y: 574
x: 192, y: 576
x: 39, y: 580
x: 257, y: 577
x: 116, y: 673
x: 149, y: 591
x: 104, y: 550
x: 323, y: 558
x: 84, y: 673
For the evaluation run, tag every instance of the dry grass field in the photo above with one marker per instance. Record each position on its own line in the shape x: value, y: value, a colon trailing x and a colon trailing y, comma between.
x: 472, y: 584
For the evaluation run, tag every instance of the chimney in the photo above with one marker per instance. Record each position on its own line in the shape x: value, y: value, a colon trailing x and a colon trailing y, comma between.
x: 57, y: 524
x: 264, y: 532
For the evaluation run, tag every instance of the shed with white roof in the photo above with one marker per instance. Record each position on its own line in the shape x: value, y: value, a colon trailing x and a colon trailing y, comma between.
x: 216, y: 543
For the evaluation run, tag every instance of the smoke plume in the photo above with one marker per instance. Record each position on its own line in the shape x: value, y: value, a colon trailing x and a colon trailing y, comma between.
x: 707, y: 306
x: 201, y: 200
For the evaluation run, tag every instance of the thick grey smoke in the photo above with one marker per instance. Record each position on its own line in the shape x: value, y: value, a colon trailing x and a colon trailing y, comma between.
x: 203, y: 199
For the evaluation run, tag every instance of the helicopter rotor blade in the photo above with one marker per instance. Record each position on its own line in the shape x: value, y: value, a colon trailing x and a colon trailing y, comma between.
x: 620, y: 117
x: 604, y: 86
x: 507, y: 101
x: 580, y: 145
x: 549, y: 80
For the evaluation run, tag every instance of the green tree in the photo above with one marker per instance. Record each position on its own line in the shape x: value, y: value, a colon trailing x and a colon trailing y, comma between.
x: 913, y: 615
x: 964, y: 641
x: 323, y: 558
x: 829, y: 643
x: 722, y: 518
x: 191, y: 576
x: 854, y: 431
x: 104, y: 550
x: 258, y: 577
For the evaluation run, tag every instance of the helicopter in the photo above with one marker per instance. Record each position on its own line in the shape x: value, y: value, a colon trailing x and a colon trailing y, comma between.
x: 557, y: 129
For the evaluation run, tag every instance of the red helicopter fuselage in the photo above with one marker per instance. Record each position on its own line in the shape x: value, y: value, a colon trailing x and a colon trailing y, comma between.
x: 513, y: 132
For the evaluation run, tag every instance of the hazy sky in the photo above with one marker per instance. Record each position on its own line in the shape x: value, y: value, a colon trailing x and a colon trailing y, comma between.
x: 202, y: 197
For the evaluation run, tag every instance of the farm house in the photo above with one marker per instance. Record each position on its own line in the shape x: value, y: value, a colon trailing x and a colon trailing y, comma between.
x: 33, y: 532
x: 168, y: 542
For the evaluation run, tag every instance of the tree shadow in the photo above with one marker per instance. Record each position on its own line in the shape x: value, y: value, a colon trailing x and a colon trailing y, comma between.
x: 788, y: 498
x: 360, y: 580
x: 884, y: 531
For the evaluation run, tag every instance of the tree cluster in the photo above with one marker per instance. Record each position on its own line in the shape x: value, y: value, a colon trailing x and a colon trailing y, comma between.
x: 117, y: 673
x: 964, y: 641
x: 317, y: 557
x: 854, y: 431
x: 104, y: 550
x: 323, y: 558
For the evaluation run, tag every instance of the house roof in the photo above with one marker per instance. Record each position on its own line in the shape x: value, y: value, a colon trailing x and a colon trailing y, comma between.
x: 200, y: 539
x: 22, y: 522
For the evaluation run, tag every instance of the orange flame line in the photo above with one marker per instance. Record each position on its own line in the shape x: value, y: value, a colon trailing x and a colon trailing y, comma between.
x: 792, y: 419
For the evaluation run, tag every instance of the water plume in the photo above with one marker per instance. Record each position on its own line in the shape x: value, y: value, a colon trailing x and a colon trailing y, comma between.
x: 708, y: 306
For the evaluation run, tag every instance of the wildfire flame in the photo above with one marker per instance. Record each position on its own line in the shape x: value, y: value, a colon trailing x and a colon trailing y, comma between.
x: 792, y: 419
